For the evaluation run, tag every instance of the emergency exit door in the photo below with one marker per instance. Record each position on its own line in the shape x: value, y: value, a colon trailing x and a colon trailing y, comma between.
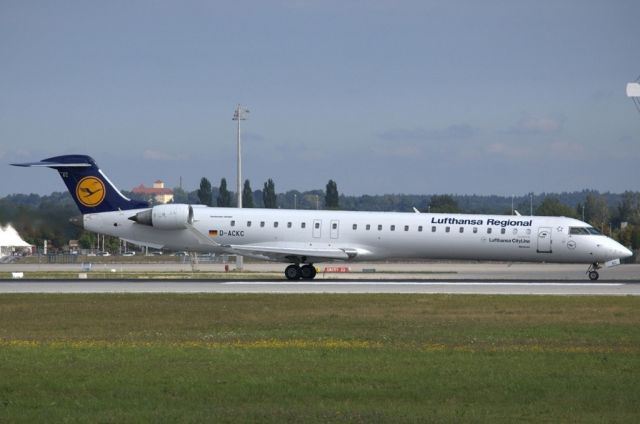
x: 544, y: 240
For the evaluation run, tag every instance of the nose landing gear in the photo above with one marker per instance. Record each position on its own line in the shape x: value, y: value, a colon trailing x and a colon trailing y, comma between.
x: 297, y: 272
x: 593, y: 271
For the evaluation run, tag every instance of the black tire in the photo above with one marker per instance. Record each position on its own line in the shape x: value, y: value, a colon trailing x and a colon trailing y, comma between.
x: 593, y: 275
x: 308, y: 272
x: 292, y: 272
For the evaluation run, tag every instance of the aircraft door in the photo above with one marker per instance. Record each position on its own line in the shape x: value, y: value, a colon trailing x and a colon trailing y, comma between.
x: 544, y: 240
x: 317, y: 228
x: 335, y: 228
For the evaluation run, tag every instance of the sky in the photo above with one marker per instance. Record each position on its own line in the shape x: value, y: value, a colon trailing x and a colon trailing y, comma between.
x: 463, y: 97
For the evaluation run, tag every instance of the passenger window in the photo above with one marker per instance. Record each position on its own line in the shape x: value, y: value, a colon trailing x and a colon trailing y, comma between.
x: 289, y: 225
x: 528, y: 231
x: 248, y: 223
x: 406, y: 228
x: 475, y: 230
x: 303, y: 225
x: 379, y: 227
x: 447, y: 229
x: 502, y: 231
x: 393, y: 228
x: 262, y: 223
x: 317, y: 225
x: 368, y: 227
x: 489, y: 230
x: 419, y: 228
x: 334, y: 226
x: 275, y: 224
x: 233, y: 223
x: 433, y: 229
x: 461, y: 229
x: 355, y: 226
x: 515, y: 231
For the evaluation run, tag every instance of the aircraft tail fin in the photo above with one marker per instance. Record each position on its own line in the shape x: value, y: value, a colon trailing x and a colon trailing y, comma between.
x: 90, y: 188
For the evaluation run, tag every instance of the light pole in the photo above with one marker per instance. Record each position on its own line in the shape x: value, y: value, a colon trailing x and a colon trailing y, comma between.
x: 239, y: 115
x: 633, y: 92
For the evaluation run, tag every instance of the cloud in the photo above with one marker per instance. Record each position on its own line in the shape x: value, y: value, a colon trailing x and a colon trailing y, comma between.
x: 508, y: 150
x: 567, y: 148
x: 401, y: 151
x: 452, y: 132
x: 538, y: 125
x: 556, y: 148
x: 150, y: 154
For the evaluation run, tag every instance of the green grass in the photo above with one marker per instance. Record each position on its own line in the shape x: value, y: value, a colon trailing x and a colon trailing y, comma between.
x: 319, y: 358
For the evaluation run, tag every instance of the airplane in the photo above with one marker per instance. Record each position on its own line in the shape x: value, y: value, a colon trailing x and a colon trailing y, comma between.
x: 304, y: 237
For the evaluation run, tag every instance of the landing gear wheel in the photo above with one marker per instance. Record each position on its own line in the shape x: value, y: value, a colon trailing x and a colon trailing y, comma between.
x: 593, y: 271
x: 292, y: 272
x: 308, y: 272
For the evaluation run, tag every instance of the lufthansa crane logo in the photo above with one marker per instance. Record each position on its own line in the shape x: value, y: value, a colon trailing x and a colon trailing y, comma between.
x: 90, y: 191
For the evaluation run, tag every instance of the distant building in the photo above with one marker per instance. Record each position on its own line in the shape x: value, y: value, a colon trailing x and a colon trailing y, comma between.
x: 74, y: 246
x: 158, y: 192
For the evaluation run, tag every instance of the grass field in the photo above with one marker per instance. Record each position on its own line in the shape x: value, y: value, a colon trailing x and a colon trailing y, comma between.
x: 319, y: 358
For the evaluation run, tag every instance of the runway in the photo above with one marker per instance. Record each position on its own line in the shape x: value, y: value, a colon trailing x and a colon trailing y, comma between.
x: 564, y: 288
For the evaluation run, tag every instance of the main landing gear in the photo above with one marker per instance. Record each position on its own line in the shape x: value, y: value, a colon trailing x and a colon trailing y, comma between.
x: 297, y: 272
x: 593, y: 271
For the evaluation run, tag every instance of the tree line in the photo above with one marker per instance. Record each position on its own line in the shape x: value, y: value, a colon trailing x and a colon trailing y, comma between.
x: 265, y: 198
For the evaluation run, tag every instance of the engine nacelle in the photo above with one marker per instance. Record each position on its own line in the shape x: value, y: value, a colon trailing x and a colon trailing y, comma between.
x: 166, y: 217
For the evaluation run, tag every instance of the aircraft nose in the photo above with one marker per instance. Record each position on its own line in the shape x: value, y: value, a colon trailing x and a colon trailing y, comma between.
x: 618, y: 250
x: 624, y: 252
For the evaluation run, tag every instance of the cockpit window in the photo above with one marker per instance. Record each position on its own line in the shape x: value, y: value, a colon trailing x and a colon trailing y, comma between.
x: 583, y: 231
x: 578, y: 231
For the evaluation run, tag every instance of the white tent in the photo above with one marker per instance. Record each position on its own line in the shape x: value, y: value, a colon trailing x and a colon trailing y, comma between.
x: 10, y: 240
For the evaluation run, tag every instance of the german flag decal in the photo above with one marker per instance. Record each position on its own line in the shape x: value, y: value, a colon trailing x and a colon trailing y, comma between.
x: 213, y: 233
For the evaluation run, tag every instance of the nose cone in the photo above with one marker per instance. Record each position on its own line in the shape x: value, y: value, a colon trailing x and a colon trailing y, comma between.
x: 624, y: 252
x: 616, y: 250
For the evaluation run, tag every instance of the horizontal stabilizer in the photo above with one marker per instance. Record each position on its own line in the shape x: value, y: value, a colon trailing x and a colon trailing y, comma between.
x: 46, y: 164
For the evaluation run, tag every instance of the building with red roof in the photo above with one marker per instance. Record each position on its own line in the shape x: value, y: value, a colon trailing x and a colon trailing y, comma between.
x: 158, y: 192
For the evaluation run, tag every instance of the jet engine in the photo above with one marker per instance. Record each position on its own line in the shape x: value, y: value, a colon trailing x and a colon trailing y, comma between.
x: 166, y: 217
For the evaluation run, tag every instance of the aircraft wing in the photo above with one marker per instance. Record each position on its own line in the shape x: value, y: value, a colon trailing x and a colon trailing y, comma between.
x: 280, y: 252
x: 292, y: 254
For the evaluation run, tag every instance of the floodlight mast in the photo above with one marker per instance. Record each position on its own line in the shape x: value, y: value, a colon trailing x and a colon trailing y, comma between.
x: 239, y: 115
x: 633, y: 92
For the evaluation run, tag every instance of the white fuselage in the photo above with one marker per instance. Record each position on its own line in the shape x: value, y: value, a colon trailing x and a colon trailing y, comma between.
x: 371, y: 236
